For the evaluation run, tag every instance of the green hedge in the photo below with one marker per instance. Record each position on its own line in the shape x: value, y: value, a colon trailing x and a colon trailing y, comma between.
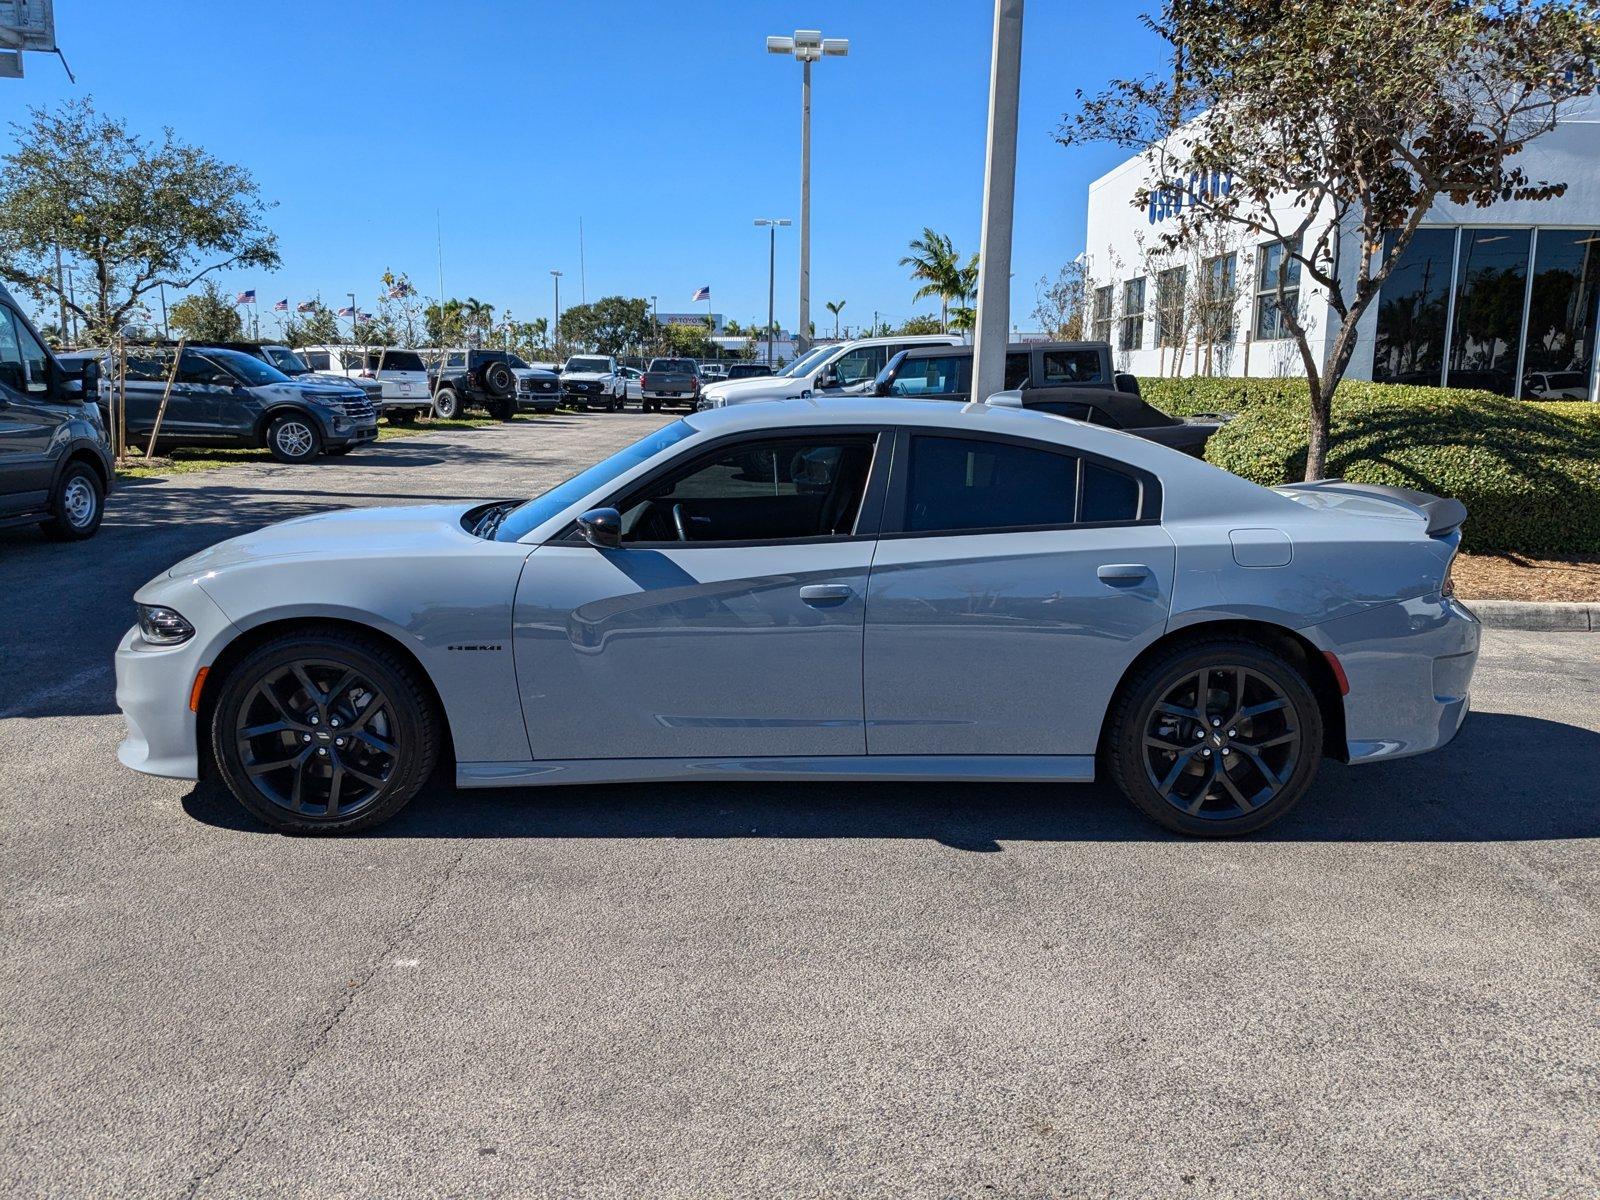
x: 1528, y: 472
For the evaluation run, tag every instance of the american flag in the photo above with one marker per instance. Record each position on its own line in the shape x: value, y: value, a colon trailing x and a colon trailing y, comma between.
x: 245, y: 298
x: 702, y: 294
x: 401, y: 290
x: 306, y: 306
x: 347, y: 311
x: 281, y: 305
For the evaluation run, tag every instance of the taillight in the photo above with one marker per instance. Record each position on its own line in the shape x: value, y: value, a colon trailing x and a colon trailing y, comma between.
x: 1449, y: 588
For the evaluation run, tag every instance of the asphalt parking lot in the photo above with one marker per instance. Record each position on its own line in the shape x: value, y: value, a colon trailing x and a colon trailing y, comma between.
x: 731, y: 990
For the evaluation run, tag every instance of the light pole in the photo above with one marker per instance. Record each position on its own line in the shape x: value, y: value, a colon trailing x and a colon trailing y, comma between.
x: 772, y: 224
x: 655, y: 319
x: 555, y: 332
x: 999, y: 194
x: 807, y: 45
x: 354, y: 313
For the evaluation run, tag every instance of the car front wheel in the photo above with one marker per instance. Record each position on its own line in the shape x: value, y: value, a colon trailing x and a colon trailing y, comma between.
x: 1215, y: 738
x: 76, y: 506
x: 324, y: 732
x: 293, y: 438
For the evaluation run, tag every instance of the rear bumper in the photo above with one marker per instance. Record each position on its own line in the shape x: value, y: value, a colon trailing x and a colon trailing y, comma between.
x: 1410, y: 667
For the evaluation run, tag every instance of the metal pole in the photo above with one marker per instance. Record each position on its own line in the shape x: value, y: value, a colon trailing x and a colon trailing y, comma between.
x: 803, y: 333
x: 61, y: 297
x: 166, y: 332
x: 353, y: 313
x: 999, y: 193
x: 772, y: 267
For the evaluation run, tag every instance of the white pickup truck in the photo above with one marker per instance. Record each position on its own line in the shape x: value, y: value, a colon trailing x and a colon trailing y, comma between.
x: 832, y: 369
x: 593, y: 381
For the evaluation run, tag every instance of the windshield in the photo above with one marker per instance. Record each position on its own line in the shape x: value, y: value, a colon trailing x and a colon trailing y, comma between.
x: 530, y: 515
x: 286, y: 361
x: 601, y: 365
x: 805, y: 362
x: 253, y: 371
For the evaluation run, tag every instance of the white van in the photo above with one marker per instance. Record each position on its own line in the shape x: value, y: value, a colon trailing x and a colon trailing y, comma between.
x: 834, y: 369
x: 401, y: 373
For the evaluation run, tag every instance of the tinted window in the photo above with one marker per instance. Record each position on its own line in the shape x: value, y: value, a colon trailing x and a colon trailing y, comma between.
x: 1072, y: 366
x: 1016, y: 371
x: 317, y: 360
x: 395, y: 360
x: 35, y: 360
x: 934, y: 376
x: 1108, y: 495
x: 955, y: 483
x: 766, y: 490
x: 252, y: 370
x: 11, y: 373
x: 285, y: 361
x: 149, y: 366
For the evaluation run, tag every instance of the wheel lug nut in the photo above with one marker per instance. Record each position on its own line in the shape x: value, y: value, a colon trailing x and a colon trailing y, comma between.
x: 323, y: 753
x: 334, y: 722
x: 313, y: 720
x: 1205, y: 754
x: 1216, y: 720
x: 1199, y: 733
x: 338, y: 741
x: 305, y: 737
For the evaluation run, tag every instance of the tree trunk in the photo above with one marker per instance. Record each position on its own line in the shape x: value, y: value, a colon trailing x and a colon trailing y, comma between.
x: 1316, y: 431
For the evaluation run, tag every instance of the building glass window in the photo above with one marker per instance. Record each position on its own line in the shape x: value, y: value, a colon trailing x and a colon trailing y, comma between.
x: 1413, y: 308
x: 1491, y: 288
x: 1563, y: 306
x: 1132, y: 327
x: 1216, y: 298
x: 1270, y: 258
x: 1170, y: 287
x: 1102, y: 314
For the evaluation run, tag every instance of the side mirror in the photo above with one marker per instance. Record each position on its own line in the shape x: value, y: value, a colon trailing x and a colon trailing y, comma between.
x: 1124, y: 382
x: 602, y: 528
x: 883, y: 388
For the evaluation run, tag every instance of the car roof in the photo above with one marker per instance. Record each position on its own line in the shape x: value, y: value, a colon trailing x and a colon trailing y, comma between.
x: 1011, y: 348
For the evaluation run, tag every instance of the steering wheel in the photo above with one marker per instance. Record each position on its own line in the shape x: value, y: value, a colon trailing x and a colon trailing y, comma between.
x: 682, y: 525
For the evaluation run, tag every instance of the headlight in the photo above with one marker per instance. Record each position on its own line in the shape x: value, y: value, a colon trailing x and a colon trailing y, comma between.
x: 162, y: 626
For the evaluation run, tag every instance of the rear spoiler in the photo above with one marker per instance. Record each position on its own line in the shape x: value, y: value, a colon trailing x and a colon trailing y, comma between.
x: 1444, y: 515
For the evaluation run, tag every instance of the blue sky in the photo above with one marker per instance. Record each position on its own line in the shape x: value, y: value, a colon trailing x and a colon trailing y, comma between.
x: 664, y: 126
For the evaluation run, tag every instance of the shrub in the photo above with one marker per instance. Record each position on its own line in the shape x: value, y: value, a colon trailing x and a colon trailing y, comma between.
x: 1528, y: 472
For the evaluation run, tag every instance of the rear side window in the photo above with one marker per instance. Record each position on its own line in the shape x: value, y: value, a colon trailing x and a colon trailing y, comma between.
x: 956, y: 483
x: 1108, y: 495
x: 1016, y: 371
x: 395, y: 360
x: 1071, y: 366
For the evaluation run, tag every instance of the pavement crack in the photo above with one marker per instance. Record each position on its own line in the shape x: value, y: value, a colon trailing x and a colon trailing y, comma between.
x: 397, y: 937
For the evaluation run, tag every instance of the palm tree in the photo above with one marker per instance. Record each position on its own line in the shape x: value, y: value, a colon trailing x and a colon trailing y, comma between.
x: 965, y: 315
x: 933, y: 260
x: 478, y: 315
x: 835, y: 307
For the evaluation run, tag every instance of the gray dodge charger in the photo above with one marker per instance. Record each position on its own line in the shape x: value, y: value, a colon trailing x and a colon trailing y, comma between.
x: 818, y: 589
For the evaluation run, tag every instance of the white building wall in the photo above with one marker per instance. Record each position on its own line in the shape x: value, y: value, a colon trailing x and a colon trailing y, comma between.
x: 1123, y: 243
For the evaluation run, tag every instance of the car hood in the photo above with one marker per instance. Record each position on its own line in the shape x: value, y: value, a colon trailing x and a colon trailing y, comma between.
x: 340, y: 535
x: 732, y: 391
x: 586, y: 376
x: 532, y: 373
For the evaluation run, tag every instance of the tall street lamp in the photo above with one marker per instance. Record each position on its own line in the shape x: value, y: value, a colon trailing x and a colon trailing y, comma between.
x: 555, y: 332
x: 993, y: 318
x: 772, y: 224
x: 807, y: 45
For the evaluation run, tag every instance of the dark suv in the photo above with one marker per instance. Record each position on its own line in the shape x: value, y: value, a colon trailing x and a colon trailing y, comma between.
x: 225, y: 398
x: 55, y: 461
x: 496, y: 380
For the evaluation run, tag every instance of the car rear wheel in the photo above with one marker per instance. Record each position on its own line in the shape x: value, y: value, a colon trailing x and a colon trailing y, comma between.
x: 446, y: 404
x: 293, y: 438
x: 76, y: 505
x: 1215, y: 738
x: 324, y: 733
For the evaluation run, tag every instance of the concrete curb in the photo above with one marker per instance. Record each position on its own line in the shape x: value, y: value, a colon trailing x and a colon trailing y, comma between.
x: 1564, y: 616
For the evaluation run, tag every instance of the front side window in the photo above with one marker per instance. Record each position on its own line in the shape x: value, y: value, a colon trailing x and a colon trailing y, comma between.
x: 760, y: 490
x: 1132, y: 335
x: 934, y: 376
x: 286, y: 361
x: 12, y: 375
x: 198, y: 369
x: 860, y: 364
x: 317, y: 360
x: 1064, y: 367
x: 962, y: 484
x: 1271, y: 259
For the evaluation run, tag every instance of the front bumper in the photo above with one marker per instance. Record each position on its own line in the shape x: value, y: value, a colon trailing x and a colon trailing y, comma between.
x: 537, y: 401
x: 154, y: 683
x: 1410, y: 668
x: 357, y: 436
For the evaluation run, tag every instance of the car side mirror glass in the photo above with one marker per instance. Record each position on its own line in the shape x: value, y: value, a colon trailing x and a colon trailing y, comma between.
x: 602, y: 528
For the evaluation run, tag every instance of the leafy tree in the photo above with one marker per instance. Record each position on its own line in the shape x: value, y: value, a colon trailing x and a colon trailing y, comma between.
x: 835, y: 307
x: 686, y: 341
x: 1061, y: 304
x: 1356, y: 117
x: 916, y: 325
x: 206, y: 316
x: 128, y: 214
x: 317, y: 327
x: 609, y: 325
x: 933, y: 259
x: 445, y: 324
x: 478, y: 316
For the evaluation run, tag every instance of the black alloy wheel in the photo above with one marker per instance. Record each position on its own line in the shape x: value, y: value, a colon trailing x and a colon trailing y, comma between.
x: 446, y: 404
x: 1216, y: 739
x: 324, y: 733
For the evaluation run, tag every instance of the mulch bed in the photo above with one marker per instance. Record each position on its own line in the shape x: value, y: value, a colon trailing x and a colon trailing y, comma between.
x: 1518, y: 577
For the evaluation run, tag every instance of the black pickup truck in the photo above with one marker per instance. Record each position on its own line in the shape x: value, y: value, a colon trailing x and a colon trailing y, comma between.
x: 496, y: 380
x: 1069, y: 379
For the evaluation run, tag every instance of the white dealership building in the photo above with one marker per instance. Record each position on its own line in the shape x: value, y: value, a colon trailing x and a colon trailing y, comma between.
x: 1502, y: 298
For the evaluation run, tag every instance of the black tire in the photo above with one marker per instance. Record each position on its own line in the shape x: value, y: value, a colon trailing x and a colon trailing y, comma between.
x: 1247, y: 763
x: 401, y: 416
x: 503, y: 410
x: 76, y: 505
x: 360, y: 685
x: 446, y: 404
x: 498, y: 380
x: 294, y: 438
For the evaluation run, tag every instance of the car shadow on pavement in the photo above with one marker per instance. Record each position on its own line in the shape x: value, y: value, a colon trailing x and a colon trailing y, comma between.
x: 1505, y: 778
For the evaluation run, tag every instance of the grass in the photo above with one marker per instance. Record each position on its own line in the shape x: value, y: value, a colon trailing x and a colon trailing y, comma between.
x: 189, y: 460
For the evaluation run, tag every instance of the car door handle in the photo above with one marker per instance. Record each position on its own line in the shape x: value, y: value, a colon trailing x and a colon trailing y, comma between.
x: 825, y: 595
x: 1121, y: 573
